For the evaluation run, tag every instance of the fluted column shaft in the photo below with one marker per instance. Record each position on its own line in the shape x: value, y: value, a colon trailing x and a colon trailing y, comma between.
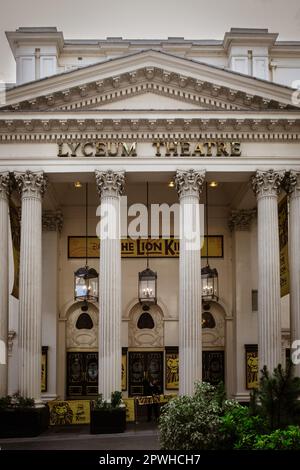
x: 110, y: 186
x: 4, y: 220
x: 266, y: 185
x: 32, y: 187
x: 293, y: 188
x: 189, y: 185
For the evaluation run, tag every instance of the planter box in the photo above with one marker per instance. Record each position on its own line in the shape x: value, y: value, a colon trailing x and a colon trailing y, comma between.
x: 26, y: 422
x: 108, y: 421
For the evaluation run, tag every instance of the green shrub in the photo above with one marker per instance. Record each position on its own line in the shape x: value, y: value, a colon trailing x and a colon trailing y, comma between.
x: 116, y: 401
x: 241, y: 428
x: 287, y: 439
x: 193, y: 423
x: 15, y: 401
x: 277, y: 397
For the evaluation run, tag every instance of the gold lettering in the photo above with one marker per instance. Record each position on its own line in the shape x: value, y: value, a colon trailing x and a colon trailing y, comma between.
x: 185, y: 149
x: 100, y: 149
x: 157, y: 144
x: 85, y: 146
x: 235, y: 149
x: 209, y: 146
x: 221, y: 149
x: 198, y: 150
x: 171, y: 147
x: 73, y: 146
x: 111, y: 152
x: 60, y: 151
x: 126, y: 151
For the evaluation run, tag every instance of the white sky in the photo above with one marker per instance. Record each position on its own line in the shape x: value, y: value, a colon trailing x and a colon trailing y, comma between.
x: 194, y: 19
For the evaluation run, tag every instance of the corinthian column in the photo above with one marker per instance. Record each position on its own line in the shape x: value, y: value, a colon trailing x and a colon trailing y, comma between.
x: 32, y: 187
x: 189, y: 186
x: 292, y: 186
x: 110, y: 187
x: 266, y: 186
x: 4, y: 190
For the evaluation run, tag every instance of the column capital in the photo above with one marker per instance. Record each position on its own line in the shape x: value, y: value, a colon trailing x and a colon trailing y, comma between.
x: 291, y: 183
x: 240, y: 220
x: 189, y: 182
x: 110, y: 183
x: 52, y: 221
x: 31, y: 184
x: 267, y: 182
x: 5, y: 184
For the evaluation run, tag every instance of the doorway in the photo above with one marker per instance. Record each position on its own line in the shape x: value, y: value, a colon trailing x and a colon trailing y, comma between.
x: 82, y: 374
x: 141, y: 364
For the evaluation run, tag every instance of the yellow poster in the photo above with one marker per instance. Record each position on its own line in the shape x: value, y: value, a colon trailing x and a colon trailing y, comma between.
x: 130, y: 409
x: 16, y: 241
x: 44, y: 371
x: 283, y: 247
x: 124, y: 369
x: 141, y: 248
x: 172, y: 369
x: 69, y: 412
x: 252, y: 367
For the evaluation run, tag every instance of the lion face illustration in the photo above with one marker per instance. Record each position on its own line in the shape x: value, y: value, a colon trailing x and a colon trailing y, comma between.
x: 61, y: 413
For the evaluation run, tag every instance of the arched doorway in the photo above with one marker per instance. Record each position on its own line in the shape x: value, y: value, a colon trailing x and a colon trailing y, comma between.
x: 213, y: 343
x: 82, y: 351
x: 146, y: 347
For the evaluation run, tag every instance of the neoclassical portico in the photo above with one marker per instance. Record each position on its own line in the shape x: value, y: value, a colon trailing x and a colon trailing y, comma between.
x: 157, y: 117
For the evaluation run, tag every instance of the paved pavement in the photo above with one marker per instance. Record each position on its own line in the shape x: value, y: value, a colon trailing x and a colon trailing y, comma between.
x: 143, y: 436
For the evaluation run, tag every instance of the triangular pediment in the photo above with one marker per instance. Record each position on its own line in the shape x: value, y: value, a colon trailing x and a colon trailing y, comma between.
x: 138, y: 81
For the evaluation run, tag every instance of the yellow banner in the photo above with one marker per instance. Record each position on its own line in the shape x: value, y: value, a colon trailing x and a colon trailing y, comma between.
x: 130, y: 409
x: 16, y: 241
x: 283, y: 247
x: 141, y: 248
x: 148, y: 400
x: 69, y: 412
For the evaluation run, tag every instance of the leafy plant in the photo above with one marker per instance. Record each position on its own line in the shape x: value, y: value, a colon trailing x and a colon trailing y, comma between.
x: 190, y: 423
x: 277, y: 397
x: 116, y: 401
x: 281, y: 439
x: 16, y: 402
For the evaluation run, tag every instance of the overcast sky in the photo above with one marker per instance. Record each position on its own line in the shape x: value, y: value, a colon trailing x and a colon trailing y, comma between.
x: 199, y: 19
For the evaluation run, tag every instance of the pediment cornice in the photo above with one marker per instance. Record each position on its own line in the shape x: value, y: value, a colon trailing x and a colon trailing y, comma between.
x: 154, y: 71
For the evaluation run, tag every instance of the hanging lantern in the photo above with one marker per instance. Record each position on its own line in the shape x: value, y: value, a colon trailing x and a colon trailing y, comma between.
x: 86, y: 283
x: 209, y: 276
x: 210, y: 283
x: 147, y: 287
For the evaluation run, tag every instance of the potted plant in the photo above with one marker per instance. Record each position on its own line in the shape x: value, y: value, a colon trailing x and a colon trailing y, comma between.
x: 108, y: 417
x: 20, y: 418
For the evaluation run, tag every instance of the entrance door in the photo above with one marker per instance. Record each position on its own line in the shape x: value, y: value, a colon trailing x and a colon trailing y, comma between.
x: 143, y: 363
x: 213, y: 367
x: 82, y: 374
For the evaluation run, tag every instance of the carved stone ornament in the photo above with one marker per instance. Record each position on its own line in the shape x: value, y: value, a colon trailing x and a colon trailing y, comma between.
x: 52, y: 221
x: 291, y: 183
x: 241, y: 219
x: 267, y: 183
x: 5, y: 184
x: 110, y: 183
x: 189, y: 182
x: 31, y: 184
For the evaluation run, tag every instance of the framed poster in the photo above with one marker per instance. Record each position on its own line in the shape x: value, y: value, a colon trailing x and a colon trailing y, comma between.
x: 124, y: 369
x: 252, y: 367
x: 44, y: 369
x: 141, y: 248
x: 172, y: 368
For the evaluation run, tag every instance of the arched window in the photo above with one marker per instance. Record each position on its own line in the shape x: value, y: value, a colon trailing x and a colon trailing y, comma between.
x: 208, y: 320
x: 145, y: 321
x: 84, y: 322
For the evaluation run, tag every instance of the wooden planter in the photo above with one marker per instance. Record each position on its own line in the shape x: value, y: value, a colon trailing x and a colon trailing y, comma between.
x: 23, y: 422
x: 108, y: 421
